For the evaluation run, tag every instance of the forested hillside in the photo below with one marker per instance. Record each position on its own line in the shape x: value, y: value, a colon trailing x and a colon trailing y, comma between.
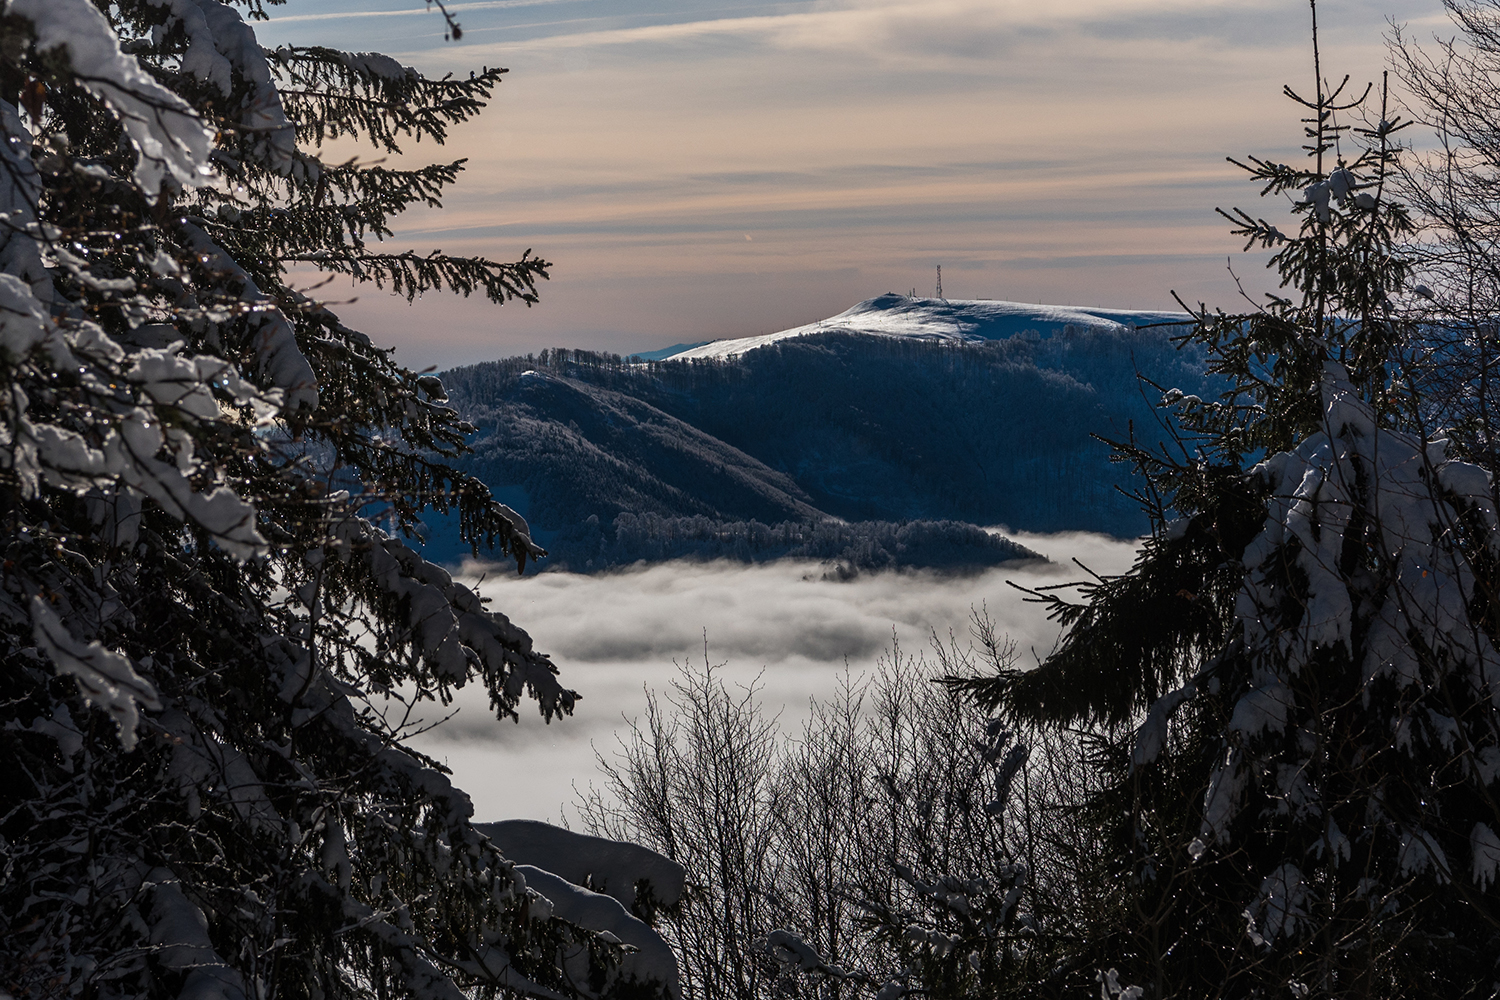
x: 840, y: 424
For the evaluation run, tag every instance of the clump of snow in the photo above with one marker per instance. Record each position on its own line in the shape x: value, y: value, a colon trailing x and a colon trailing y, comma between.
x: 106, y: 679
x: 651, y: 960
x: 376, y: 65
x: 1262, y: 708
x: 201, y: 761
x: 1334, y: 842
x: 1484, y: 846
x: 1341, y: 183
x: 221, y: 43
x: 176, y: 381
x: 1222, y: 799
x: 1316, y: 195
x: 23, y: 320
x: 1111, y: 989
x: 1152, y: 735
x: 1282, y: 905
x: 608, y: 866
x: 1420, y: 852
x: 173, y: 142
x: 789, y: 950
x: 450, y: 624
x: 274, y: 339
x: 60, y: 727
x: 180, y: 942
x: 20, y: 191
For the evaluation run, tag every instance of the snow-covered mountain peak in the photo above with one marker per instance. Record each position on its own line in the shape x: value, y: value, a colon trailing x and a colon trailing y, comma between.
x: 893, y: 315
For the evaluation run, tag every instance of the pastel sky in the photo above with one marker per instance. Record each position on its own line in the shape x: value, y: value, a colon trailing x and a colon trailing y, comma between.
x: 699, y: 169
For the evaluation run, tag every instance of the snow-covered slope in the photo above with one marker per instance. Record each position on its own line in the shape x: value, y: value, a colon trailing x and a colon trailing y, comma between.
x: 892, y: 315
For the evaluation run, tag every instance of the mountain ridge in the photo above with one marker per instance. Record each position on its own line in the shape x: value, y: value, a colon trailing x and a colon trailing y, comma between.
x: 903, y: 411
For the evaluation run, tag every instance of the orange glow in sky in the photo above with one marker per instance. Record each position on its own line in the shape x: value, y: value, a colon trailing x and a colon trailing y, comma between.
x: 698, y: 170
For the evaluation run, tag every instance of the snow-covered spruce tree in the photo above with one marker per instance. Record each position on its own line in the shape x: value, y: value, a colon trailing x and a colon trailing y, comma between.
x: 204, y: 792
x: 1300, y: 671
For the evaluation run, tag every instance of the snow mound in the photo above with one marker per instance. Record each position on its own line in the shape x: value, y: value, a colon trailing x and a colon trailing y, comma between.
x: 892, y: 315
x: 612, y: 867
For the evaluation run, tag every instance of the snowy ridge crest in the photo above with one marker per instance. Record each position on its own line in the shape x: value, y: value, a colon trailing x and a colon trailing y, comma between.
x: 957, y: 320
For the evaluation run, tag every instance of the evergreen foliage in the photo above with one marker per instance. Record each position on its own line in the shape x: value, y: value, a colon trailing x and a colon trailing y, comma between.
x: 1297, y: 684
x: 207, y: 639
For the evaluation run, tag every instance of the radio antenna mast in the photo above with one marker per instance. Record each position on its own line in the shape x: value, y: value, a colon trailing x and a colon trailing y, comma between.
x: 940, y: 281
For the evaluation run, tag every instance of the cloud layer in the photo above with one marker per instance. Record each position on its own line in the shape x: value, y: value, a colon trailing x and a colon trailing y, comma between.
x: 783, y: 624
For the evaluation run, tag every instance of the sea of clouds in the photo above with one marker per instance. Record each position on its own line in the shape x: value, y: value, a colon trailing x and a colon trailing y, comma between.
x: 793, y: 628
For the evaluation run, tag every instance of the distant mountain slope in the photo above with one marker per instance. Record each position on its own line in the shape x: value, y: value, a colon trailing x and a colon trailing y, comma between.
x: 578, y: 449
x: 663, y: 353
x: 856, y: 422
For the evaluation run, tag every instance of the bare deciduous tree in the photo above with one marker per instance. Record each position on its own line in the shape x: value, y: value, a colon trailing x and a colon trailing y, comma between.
x: 901, y: 840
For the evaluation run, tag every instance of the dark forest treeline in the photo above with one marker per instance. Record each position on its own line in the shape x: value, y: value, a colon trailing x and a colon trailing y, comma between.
x: 863, y: 545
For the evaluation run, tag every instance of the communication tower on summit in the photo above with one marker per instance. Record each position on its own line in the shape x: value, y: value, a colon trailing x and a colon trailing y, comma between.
x: 940, y: 281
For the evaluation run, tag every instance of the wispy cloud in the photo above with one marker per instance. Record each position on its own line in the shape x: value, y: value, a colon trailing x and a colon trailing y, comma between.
x: 1069, y: 152
x: 456, y: 9
x: 960, y: 30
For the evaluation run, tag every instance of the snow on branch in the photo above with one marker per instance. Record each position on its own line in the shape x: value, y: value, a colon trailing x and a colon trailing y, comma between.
x: 790, y: 951
x: 20, y: 193
x: 180, y: 942
x: 24, y: 324
x: 1281, y: 908
x: 449, y: 624
x: 123, y: 450
x: 1152, y: 735
x: 651, y: 959
x: 612, y: 867
x: 171, y: 138
x: 1415, y: 498
x: 1429, y: 524
x: 273, y: 339
x: 201, y: 760
x: 221, y: 43
x: 105, y: 678
x: 127, y: 455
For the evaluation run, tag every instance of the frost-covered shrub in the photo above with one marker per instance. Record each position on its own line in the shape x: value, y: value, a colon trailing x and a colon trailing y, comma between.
x: 202, y: 627
x: 898, y: 843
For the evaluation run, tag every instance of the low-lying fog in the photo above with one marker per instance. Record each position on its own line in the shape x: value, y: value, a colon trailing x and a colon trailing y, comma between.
x: 613, y: 636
